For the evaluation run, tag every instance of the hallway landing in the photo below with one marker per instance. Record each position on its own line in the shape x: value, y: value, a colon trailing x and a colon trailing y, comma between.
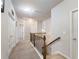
x: 24, y: 50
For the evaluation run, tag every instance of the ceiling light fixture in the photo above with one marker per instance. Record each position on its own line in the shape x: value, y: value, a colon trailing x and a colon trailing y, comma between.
x: 29, y: 10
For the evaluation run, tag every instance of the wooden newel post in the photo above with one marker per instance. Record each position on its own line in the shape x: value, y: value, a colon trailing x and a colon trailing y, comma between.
x: 44, y: 49
x: 30, y: 36
x: 34, y: 39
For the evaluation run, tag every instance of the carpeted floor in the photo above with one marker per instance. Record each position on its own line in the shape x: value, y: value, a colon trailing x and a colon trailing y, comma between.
x: 56, y: 56
x: 24, y: 50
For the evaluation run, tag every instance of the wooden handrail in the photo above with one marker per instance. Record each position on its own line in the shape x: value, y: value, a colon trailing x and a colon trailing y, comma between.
x: 39, y: 37
x: 53, y: 41
x: 40, y: 33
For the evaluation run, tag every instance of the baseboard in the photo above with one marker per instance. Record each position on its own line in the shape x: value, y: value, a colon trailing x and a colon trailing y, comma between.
x: 58, y: 52
x: 40, y: 55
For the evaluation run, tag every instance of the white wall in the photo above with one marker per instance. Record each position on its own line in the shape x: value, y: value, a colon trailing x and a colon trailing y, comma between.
x: 8, y: 38
x: 30, y: 26
x: 46, y: 26
x: 39, y: 26
x: 59, y: 25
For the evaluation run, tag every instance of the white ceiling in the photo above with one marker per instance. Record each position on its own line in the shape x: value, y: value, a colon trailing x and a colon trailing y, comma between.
x: 42, y: 8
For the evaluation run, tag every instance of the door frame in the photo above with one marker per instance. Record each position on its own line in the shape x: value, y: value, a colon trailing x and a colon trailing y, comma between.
x: 71, y: 22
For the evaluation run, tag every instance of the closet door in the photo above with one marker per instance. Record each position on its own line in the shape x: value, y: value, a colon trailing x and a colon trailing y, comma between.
x: 11, y: 33
x: 75, y: 34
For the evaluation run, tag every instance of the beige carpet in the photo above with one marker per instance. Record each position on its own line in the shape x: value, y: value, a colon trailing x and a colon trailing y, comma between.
x: 56, y: 56
x: 24, y: 50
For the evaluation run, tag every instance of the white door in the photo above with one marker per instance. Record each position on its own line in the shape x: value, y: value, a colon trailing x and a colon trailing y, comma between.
x: 19, y: 31
x: 11, y: 33
x: 26, y: 30
x: 75, y: 34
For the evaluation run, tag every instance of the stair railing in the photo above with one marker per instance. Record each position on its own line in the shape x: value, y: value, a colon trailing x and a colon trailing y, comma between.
x: 33, y: 37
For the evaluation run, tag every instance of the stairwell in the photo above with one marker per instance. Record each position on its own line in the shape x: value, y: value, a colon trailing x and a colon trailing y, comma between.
x: 25, y: 50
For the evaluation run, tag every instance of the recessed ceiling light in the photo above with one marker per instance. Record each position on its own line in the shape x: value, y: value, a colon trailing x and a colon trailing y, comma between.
x: 29, y: 10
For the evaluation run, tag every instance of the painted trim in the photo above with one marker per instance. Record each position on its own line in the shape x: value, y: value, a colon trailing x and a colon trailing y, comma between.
x: 58, y: 52
x: 71, y: 12
x: 40, y: 55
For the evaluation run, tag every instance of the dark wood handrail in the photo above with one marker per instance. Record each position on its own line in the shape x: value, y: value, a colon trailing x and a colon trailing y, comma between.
x: 40, y: 33
x: 39, y: 37
x: 53, y: 41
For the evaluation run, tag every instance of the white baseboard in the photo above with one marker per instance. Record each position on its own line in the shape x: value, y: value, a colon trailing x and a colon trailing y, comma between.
x: 58, y: 52
x: 40, y: 55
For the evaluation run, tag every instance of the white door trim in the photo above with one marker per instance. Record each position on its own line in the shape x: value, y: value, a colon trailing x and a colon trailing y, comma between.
x: 71, y: 12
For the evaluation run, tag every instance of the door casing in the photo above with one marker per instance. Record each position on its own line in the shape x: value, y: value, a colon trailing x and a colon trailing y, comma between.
x: 71, y: 26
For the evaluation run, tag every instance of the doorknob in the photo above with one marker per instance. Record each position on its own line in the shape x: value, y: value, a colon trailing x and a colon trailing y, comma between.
x: 74, y: 39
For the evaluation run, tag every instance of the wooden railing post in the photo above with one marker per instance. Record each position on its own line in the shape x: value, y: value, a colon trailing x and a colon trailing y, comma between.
x: 31, y: 37
x: 34, y: 38
x: 44, y: 49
